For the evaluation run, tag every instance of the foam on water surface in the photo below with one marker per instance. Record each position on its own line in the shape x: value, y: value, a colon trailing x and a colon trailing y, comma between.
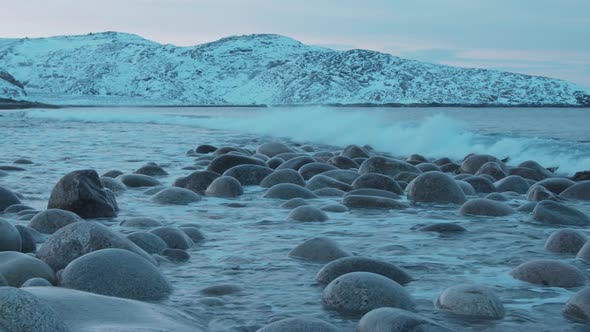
x: 434, y: 133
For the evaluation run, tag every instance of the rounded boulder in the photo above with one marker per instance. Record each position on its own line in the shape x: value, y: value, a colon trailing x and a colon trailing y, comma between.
x: 116, y: 272
x: 357, y: 293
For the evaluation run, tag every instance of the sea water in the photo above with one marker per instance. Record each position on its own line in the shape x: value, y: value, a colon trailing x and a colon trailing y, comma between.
x: 248, y: 246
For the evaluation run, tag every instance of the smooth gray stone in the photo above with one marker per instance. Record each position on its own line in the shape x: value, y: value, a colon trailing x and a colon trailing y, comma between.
x: 116, y: 272
x: 293, y: 203
x: 480, y: 184
x: 435, y: 187
x: 78, y: 239
x: 372, y: 192
x: 175, y: 255
x: 224, y: 162
x: 283, y: 176
x: 397, y: 320
x: 549, y: 272
x: 512, y: 183
x: 578, y: 306
x: 471, y: 300
x: 114, y: 185
x: 474, y: 162
x: 10, y: 239
x: 307, y: 213
x: 289, y: 191
x: 193, y: 233
x: 140, y: 222
x: 565, y: 241
x: 321, y: 181
x: 175, y: 196
x: 386, y: 166
x: 36, y: 282
x: 300, y: 324
x: 197, y: 181
x: 357, y: 293
x: 307, y: 171
x: 272, y: 149
x: 554, y: 213
x: 17, y: 268
x: 354, y: 151
x: 28, y: 243
x: 249, y: 175
x: 377, y: 181
x: 485, y: 207
x: 578, y: 191
x: 345, y: 265
x: 151, y: 170
x: 138, y: 180
x: 174, y: 237
x: 7, y: 198
x: 150, y: 243
x: 87, y: 312
x: 51, y: 220
x: 22, y: 311
x: 225, y: 187
x: 318, y: 250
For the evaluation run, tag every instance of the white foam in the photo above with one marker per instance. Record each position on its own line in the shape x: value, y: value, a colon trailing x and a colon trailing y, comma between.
x: 433, y: 136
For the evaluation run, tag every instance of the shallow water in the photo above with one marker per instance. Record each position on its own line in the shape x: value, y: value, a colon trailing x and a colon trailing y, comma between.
x: 249, y: 246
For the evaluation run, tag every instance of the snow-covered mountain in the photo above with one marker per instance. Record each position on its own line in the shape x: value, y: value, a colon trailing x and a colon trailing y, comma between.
x: 10, y: 88
x: 118, y: 68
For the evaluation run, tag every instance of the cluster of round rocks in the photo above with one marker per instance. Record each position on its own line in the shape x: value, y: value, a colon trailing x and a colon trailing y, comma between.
x: 89, y: 256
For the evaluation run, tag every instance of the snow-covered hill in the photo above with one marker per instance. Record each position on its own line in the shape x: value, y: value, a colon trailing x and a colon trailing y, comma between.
x: 119, y: 68
x: 10, y: 88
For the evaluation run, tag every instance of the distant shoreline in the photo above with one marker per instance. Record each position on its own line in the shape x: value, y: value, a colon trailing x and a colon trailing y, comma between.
x: 13, y: 105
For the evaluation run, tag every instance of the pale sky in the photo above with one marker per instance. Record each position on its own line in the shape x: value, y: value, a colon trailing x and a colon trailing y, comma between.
x: 539, y: 37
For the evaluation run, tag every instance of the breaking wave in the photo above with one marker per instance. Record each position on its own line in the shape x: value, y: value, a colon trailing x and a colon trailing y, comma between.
x: 433, y: 136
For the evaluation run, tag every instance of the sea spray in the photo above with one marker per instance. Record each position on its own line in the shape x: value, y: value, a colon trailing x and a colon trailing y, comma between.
x: 436, y: 135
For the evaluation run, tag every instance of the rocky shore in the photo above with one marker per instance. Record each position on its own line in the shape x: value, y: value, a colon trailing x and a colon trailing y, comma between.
x: 70, y: 267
